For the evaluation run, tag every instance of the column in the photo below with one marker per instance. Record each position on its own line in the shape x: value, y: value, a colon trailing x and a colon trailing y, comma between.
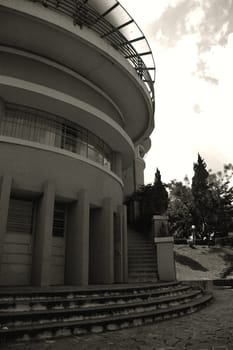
x: 102, y: 244
x: 106, y: 256
x: 77, y: 244
x: 125, y: 245
x: 43, y: 237
x: 5, y: 192
x: 118, y: 246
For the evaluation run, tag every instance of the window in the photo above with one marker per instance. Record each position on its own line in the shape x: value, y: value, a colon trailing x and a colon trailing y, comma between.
x: 59, y: 220
x: 37, y: 126
x: 20, y: 216
x: 69, y: 139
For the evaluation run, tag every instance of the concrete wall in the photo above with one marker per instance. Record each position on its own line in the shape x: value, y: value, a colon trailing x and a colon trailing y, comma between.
x: 31, y: 167
x: 48, y: 176
x: 77, y: 75
x: 49, y: 74
x: 16, y: 260
x: 165, y: 259
x: 82, y: 51
x: 134, y: 175
x: 58, y: 260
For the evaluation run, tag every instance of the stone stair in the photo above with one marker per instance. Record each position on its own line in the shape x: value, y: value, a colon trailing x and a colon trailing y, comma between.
x: 141, y: 258
x: 33, y: 314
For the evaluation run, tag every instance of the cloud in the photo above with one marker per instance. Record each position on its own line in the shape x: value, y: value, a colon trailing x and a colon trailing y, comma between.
x: 202, y: 71
x: 197, y: 108
x: 216, y: 24
x: 210, y: 21
x: 192, y: 42
x: 172, y: 25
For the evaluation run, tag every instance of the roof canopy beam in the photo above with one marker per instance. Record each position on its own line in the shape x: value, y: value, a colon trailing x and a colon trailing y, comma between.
x: 139, y: 54
x: 117, y: 28
x: 150, y: 68
x: 132, y: 41
x: 110, y: 10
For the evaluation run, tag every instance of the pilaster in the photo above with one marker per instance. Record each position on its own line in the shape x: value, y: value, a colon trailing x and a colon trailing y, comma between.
x: 77, y: 245
x: 43, y: 237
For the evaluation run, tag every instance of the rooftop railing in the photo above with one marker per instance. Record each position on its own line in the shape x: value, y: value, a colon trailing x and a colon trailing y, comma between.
x: 113, y: 23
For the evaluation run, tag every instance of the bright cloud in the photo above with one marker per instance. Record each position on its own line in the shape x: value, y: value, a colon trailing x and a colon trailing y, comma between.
x: 192, y: 42
x: 194, y: 19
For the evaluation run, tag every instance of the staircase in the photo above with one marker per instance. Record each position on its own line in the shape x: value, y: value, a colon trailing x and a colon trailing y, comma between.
x: 33, y: 314
x: 141, y: 258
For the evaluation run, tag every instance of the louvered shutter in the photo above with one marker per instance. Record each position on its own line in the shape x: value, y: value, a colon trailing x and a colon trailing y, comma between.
x: 20, y: 216
x: 59, y: 220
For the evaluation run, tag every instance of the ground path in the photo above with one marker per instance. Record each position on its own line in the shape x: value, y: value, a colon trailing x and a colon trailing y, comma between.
x: 210, y: 328
x: 203, y: 262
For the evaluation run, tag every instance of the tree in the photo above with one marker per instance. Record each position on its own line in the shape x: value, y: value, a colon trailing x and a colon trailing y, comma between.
x: 207, y: 203
x: 202, y: 199
x: 159, y: 195
x: 180, y: 208
x: 152, y: 200
x: 222, y: 200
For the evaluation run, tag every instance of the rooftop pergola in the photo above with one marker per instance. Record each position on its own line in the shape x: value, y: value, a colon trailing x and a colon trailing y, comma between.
x: 114, y: 24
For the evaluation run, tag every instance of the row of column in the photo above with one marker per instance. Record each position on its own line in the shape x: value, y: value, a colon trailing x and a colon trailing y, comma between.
x: 96, y: 238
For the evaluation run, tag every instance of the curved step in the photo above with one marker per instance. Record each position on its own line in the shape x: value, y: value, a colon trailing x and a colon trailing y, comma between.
x: 64, y: 313
x: 114, y: 322
x: 50, y: 302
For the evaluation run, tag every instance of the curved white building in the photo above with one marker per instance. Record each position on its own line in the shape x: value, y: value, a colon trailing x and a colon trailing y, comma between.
x: 76, y: 101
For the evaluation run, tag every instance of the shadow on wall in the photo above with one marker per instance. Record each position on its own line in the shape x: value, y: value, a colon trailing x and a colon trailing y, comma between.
x: 185, y: 260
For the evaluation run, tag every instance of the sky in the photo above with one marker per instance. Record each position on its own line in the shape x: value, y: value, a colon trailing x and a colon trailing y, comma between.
x: 192, y: 44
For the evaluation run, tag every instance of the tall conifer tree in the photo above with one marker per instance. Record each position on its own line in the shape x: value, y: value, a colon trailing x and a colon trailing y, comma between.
x: 201, y: 194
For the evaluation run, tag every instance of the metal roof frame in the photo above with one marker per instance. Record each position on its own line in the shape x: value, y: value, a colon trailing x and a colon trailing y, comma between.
x: 108, y: 26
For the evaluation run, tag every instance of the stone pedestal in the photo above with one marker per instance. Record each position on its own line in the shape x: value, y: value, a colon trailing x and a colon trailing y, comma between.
x: 165, y: 258
x: 164, y: 249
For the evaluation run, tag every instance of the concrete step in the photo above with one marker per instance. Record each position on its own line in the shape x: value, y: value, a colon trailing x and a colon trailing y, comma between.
x: 141, y: 246
x: 142, y: 269
x: 142, y: 276
x: 139, y: 242
x: 144, y: 256
x: 31, y: 302
x: 141, y: 257
x: 139, y: 264
x: 96, y: 311
x: 48, y: 314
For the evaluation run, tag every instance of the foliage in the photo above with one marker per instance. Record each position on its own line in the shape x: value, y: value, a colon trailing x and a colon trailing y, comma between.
x: 207, y: 203
x: 159, y: 195
x: 222, y: 200
x: 152, y: 199
x: 202, y: 199
x: 179, y: 208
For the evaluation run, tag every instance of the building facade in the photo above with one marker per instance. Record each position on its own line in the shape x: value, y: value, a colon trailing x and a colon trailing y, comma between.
x: 76, y: 112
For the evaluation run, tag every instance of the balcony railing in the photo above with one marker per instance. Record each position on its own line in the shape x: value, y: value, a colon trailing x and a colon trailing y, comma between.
x: 36, y: 126
x: 113, y: 23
